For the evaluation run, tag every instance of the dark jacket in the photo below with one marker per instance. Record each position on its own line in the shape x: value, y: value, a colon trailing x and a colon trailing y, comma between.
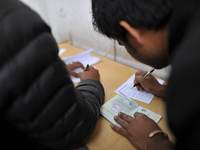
x: 183, y: 103
x: 39, y: 106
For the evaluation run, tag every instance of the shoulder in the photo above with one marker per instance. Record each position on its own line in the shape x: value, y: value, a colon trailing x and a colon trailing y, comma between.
x: 183, y: 85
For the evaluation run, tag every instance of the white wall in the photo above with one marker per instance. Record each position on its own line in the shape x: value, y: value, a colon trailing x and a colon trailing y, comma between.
x: 73, y: 19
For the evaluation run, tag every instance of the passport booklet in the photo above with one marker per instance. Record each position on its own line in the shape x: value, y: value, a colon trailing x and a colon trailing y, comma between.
x: 120, y: 103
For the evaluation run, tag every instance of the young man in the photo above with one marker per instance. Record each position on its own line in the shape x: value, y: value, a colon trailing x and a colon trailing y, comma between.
x: 39, y: 106
x: 158, y: 32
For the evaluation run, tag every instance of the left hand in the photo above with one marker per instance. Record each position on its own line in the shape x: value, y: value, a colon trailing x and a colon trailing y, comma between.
x: 74, y: 65
x: 137, y: 130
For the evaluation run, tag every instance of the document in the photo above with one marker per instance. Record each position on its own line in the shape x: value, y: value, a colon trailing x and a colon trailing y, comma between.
x: 84, y: 58
x: 127, y: 89
x: 120, y: 103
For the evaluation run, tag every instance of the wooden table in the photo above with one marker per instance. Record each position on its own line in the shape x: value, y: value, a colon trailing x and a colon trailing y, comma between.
x: 113, y: 75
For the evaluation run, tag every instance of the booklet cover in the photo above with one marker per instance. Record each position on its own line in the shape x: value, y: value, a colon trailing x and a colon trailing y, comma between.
x: 120, y: 103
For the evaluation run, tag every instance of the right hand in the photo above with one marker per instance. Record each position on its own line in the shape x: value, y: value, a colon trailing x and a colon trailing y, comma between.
x: 149, y: 83
x: 91, y: 73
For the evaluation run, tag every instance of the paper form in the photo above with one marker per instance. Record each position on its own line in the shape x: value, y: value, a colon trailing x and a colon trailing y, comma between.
x: 84, y: 58
x: 120, y: 103
x: 127, y: 90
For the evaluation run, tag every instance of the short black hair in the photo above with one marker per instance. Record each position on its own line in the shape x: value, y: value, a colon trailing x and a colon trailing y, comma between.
x: 150, y: 14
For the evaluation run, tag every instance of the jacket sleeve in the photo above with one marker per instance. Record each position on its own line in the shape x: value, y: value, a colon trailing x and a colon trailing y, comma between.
x: 55, y: 113
x: 38, y: 97
x: 93, y: 93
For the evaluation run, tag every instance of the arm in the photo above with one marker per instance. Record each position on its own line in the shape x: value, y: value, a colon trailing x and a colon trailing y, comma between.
x: 43, y: 103
x: 89, y: 96
x: 91, y: 89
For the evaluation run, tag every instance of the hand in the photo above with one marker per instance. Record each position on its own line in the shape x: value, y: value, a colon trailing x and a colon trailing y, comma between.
x: 149, y: 83
x: 73, y: 66
x: 91, y: 73
x: 137, y: 131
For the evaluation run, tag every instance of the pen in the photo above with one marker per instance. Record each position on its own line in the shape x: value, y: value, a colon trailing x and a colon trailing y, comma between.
x: 147, y: 74
x: 86, y: 67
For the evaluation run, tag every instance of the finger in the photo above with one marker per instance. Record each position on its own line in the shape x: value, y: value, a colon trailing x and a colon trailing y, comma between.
x: 79, y: 64
x: 137, y: 85
x: 137, y: 114
x: 91, y: 68
x: 73, y: 73
x: 150, y: 75
x: 119, y: 130
x: 141, y: 73
x: 139, y: 79
x: 122, y: 122
x: 125, y: 117
x: 80, y: 73
x: 141, y: 88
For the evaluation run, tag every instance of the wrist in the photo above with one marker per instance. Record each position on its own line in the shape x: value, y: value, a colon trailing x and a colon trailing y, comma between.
x: 158, y: 141
x: 160, y: 91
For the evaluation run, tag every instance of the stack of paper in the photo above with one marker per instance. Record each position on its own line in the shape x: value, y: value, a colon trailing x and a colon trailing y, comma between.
x: 84, y: 58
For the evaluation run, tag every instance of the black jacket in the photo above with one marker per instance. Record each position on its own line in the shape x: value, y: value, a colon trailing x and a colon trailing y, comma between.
x: 39, y: 106
x: 183, y: 103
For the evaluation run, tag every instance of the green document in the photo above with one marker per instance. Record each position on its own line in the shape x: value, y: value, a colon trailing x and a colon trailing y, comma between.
x: 120, y: 103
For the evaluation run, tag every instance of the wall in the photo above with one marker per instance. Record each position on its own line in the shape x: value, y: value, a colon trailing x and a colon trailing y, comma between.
x: 72, y: 19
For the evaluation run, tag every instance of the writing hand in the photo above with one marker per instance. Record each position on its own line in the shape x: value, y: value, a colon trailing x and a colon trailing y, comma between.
x: 149, y: 83
x: 91, y: 73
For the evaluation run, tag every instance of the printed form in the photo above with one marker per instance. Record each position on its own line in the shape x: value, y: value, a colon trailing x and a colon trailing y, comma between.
x: 127, y: 90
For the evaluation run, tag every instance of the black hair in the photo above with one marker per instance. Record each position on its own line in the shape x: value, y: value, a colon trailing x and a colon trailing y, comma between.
x: 150, y: 14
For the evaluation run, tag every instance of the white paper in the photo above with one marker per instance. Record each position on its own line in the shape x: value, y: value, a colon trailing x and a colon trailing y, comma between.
x: 127, y: 90
x: 61, y: 51
x: 84, y: 58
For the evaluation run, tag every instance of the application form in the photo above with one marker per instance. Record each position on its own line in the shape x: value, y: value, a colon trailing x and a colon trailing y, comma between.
x: 127, y: 90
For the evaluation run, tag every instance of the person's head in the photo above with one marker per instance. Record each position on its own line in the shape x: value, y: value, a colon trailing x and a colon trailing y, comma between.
x: 140, y: 25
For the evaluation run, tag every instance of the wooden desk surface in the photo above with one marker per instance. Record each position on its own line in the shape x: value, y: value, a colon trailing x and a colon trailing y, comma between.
x: 113, y: 75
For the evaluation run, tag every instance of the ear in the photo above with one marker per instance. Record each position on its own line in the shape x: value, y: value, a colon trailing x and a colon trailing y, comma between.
x: 136, y: 33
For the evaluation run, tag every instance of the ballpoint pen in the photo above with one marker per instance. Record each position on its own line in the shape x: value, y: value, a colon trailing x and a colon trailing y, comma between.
x: 86, y: 68
x: 147, y: 74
